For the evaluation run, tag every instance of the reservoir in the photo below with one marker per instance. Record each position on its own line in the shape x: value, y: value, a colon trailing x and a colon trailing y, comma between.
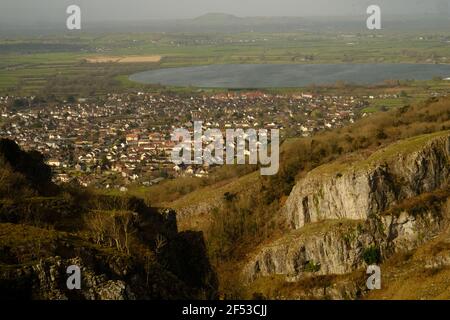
x: 288, y: 75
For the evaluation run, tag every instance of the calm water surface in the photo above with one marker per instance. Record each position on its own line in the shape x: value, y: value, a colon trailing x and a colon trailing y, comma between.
x: 281, y: 75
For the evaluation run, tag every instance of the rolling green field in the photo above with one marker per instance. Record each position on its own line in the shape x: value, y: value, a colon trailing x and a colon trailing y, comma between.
x: 58, y: 65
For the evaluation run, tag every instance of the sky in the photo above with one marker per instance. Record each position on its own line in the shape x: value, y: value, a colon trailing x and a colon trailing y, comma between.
x: 30, y: 11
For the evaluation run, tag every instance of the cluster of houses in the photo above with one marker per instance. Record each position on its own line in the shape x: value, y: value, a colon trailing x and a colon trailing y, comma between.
x: 125, y: 138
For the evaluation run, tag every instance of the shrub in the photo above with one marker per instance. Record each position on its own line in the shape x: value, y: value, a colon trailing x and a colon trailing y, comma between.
x: 312, y: 267
x: 372, y: 255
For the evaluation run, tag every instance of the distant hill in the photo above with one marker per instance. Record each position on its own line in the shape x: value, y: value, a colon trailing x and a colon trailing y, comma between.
x: 223, y: 22
x: 217, y: 18
x: 229, y: 20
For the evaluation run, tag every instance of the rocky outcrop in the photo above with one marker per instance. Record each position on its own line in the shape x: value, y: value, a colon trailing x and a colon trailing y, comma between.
x: 326, y: 248
x: 162, y: 263
x: 338, y: 246
x: 344, y: 215
x: 46, y: 280
x: 124, y: 249
x: 358, y: 190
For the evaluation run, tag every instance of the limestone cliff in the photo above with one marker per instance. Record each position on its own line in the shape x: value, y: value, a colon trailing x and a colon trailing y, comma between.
x: 338, y: 246
x: 346, y: 214
x: 116, y: 279
x: 370, y: 186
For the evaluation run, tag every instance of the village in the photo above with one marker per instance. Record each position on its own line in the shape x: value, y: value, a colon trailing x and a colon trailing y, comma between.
x: 125, y: 139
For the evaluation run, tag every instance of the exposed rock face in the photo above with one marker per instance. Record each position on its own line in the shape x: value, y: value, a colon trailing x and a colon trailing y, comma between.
x: 332, y: 248
x: 407, y: 230
x: 46, y: 280
x: 36, y: 267
x: 337, y: 247
x: 395, y: 201
x: 371, y: 186
x: 49, y: 282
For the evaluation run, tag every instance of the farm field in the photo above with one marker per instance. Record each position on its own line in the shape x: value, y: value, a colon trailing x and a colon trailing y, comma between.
x: 95, y: 64
x: 124, y: 59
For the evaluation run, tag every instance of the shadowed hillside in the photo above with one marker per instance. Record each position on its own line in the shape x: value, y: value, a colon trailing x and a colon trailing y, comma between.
x: 125, y: 249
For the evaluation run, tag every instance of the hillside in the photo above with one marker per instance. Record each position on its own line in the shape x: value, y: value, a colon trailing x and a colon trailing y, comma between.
x: 217, y: 18
x: 375, y: 191
x: 125, y: 249
x: 223, y: 22
x: 394, y: 206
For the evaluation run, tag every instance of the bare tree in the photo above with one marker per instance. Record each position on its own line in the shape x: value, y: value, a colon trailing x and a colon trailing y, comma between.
x: 97, y: 224
x: 128, y: 228
x: 160, y: 243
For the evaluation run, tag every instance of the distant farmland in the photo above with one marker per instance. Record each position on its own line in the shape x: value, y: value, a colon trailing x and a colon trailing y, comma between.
x: 100, y: 64
x: 124, y: 59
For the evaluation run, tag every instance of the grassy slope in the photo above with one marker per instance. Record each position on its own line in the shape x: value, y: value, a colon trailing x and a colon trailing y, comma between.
x: 411, y: 276
x: 28, y: 244
x: 371, y: 155
x: 361, y: 158
x: 358, y: 161
x: 211, y: 194
x: 214, y: 193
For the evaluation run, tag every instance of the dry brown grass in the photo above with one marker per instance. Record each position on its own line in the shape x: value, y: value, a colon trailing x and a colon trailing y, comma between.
x: 417, y: 275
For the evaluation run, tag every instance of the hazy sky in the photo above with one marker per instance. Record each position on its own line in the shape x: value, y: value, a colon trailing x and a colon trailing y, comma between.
x: 20, y: 11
